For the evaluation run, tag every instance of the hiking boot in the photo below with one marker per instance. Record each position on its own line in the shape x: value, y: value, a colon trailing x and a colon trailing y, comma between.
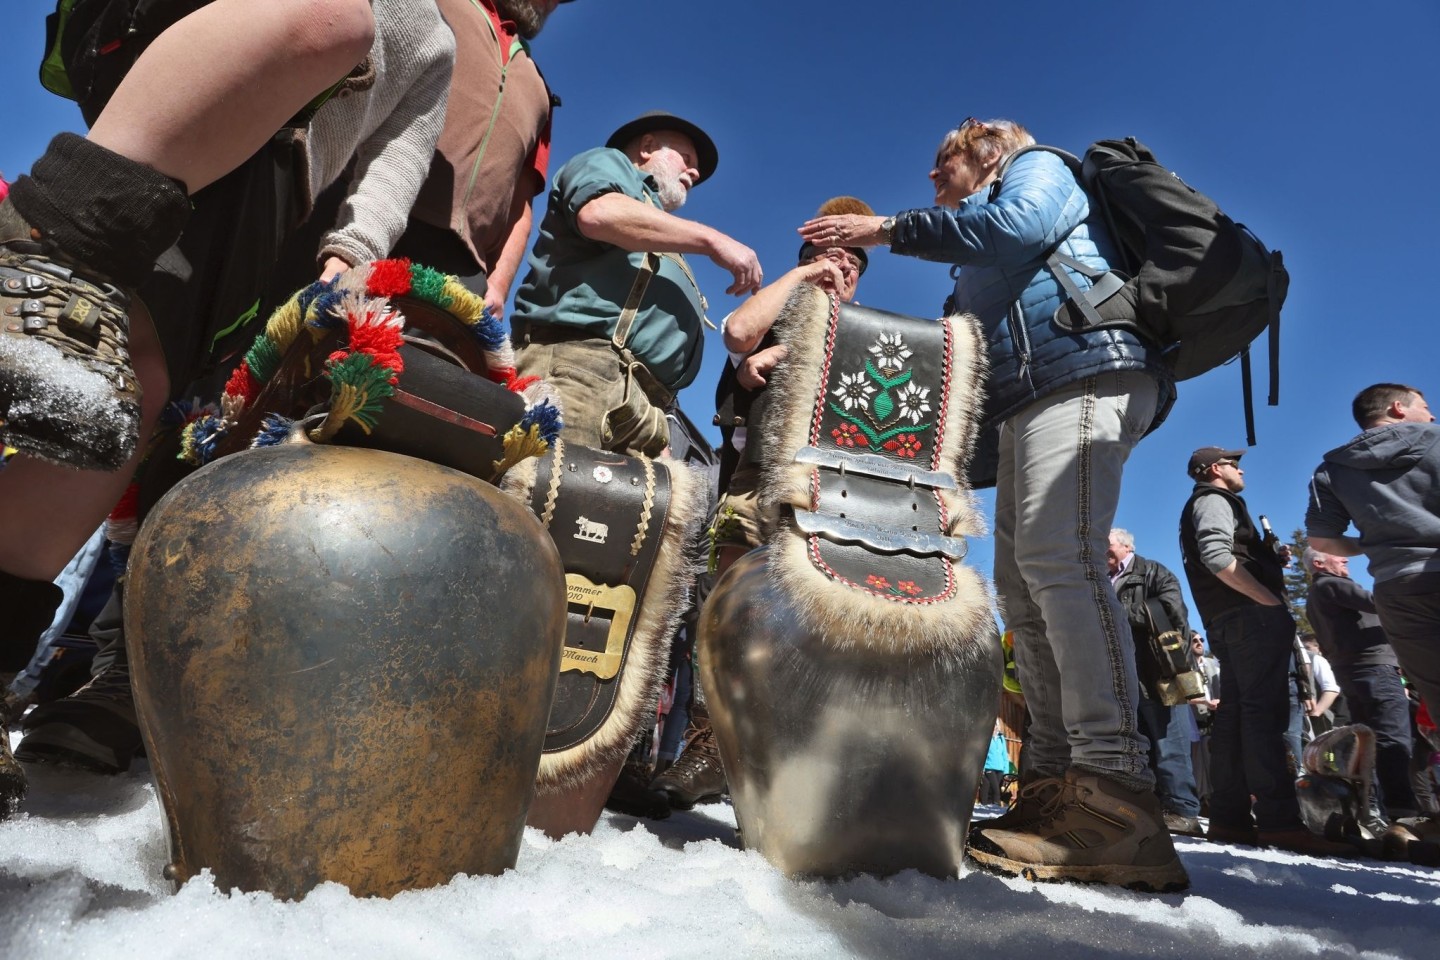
x: 1030, y: 802
x: 697, y: 776
x: 1301, y: 840
x: 94, y: 728
x: 67, y: 390
x: 1242, y: 836
x: 1178, y: 823
x: 1094, y: 830
x: 633, y: 795
x: 12, y: 777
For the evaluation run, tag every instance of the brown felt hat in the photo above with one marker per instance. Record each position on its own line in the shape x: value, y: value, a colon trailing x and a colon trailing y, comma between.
x: 832, y: 207
x: 1202, y: 459
x: 707, y: 158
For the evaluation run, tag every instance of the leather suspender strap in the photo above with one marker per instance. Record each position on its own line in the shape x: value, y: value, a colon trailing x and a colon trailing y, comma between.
x: 632, y: 302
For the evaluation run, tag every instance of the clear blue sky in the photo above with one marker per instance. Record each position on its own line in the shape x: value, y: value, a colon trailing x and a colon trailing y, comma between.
x: 1312, y: 123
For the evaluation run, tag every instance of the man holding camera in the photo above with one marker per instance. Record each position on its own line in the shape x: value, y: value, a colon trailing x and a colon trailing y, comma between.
x: 1160, y: 626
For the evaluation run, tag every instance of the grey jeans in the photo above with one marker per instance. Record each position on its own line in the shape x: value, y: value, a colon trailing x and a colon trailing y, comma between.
x: 1056, y: 493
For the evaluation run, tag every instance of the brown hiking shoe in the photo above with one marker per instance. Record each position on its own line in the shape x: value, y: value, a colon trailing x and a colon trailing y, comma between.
x: 1095, y: 830
x: 697, y: 776
x: 67, y: 390
x: 1030, y: 803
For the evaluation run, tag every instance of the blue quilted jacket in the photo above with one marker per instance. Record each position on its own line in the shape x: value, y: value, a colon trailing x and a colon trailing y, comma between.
x: 1000, y: 245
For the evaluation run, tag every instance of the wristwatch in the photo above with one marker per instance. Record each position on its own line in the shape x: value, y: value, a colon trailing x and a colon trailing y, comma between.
x: 887, y: 227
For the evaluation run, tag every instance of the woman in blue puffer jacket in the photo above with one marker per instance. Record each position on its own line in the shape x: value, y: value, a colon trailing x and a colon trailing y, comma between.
x: 1065, y: 410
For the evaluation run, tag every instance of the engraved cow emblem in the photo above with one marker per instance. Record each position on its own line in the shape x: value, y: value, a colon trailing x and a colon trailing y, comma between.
x: 592, y: 531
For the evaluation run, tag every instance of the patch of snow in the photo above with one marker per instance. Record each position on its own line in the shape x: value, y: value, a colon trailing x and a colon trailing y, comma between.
x: 80, y: 877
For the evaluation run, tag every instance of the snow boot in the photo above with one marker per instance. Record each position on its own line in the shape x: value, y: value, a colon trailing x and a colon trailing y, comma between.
x: 1094, y: 830
x: 697, y: 776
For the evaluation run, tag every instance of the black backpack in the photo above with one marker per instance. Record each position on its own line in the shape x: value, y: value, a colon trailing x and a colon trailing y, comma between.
x: 1191, y: 280
x: 90, y: 46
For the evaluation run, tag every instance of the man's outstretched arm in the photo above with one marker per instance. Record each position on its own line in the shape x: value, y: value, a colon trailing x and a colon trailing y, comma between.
x: 633, y: 225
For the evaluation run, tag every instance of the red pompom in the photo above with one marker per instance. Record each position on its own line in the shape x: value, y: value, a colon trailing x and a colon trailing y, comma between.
x: 389, y: 278
x: 518, y: 384
x: 128, y: 506
x: 242, y: 383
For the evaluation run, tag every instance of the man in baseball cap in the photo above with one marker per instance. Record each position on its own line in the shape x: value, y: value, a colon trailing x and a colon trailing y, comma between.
x: 1237, y: 579
x: 1206, y: 457
x: 610, y: 314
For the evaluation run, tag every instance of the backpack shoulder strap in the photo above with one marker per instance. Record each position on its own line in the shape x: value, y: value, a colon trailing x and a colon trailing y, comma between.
x: 1071, y: 161
x: 1104, y: 283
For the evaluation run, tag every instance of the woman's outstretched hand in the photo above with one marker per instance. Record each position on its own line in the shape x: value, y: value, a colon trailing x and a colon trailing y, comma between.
x: 844, y: 230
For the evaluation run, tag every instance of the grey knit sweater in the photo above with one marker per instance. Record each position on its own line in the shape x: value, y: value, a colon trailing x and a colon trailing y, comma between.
x: 390, y: 128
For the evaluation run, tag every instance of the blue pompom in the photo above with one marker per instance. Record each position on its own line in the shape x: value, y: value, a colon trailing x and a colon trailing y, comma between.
x: 273, y: 430
x: 547, y: 417
x: 207, y: 433
x: 489, y: 331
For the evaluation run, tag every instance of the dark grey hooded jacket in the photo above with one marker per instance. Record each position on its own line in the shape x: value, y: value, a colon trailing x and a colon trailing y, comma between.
x: 1387, y: 482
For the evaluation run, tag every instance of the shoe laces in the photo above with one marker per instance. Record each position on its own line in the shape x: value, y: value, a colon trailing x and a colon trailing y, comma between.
x: 698, y: 753
x: 1049, y: 792
x: 1066, y: 794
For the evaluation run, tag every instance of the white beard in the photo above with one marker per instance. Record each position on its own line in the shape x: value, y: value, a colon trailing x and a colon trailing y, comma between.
x: 673, y: 193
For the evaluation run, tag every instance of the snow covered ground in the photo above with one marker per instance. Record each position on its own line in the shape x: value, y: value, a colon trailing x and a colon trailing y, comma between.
x: 80, y: 877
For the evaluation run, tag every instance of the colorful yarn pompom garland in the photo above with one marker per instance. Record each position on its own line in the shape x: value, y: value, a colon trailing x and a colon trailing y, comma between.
x: 366, y: 371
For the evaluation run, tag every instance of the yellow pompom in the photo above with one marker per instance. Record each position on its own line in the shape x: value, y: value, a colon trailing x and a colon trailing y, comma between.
x: 463, y: 303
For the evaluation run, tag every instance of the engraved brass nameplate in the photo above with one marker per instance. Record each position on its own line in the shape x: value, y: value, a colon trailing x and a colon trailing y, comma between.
x: 598, y: 601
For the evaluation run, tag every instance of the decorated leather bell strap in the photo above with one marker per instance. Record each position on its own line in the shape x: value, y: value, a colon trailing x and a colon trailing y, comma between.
x: 880, y: 404
x: 883, y: 386
x: 606, y: 513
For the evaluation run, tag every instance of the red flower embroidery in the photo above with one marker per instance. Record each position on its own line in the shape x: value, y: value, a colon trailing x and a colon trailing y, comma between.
x: 849, y: 435
x: 908, y: 587
x: 904, y: 445
x: 879, y: 583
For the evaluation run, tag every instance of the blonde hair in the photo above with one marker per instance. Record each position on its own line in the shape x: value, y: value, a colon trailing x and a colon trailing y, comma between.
x: 984, y: 141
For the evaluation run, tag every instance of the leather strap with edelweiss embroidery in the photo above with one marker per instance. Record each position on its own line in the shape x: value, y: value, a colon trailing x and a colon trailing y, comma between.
x: 876, y: 520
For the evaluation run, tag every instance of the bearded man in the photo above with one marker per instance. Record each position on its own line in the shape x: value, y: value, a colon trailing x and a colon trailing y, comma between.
x: 609, y: 313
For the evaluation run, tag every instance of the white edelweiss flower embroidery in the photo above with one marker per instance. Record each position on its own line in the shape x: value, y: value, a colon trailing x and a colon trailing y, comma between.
x: 891, y: 350
x: 913, y: 402
x: 854, y: 390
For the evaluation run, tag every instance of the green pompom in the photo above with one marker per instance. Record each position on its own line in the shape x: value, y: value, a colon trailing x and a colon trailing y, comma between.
x: 429, y: 285
x: 263, y: 358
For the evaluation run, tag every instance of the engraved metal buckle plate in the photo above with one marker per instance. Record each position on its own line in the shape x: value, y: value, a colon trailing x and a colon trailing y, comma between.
x: 615, y: 603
